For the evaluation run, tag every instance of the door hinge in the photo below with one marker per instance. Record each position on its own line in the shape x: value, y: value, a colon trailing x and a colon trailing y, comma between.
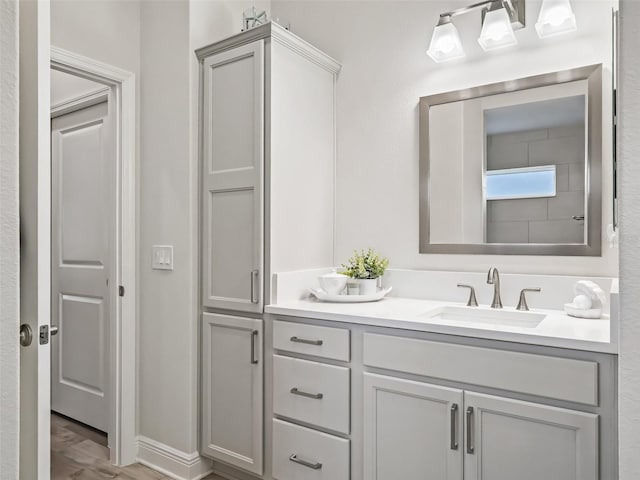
x: 121, y: 290
x: 44, y: 334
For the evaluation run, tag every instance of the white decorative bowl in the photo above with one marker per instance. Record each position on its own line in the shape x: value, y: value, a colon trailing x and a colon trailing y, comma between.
x: 333, y: 283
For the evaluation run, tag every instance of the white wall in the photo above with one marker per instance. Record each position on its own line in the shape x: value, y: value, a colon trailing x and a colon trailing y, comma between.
x: 167, y: 373
x: 629, y: 358
x: 65, y: 86
x: 105, y: 30
x: 9, y: 245
x: 382, y: 45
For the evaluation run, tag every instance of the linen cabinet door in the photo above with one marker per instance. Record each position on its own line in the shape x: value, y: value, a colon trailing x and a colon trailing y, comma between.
x: 232, y: 386
x: 412, y: 430
x: 232, y: 178
x: 507, y: 439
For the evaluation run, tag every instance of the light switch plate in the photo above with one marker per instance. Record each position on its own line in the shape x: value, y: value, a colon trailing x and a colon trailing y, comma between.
x: 162, y: 257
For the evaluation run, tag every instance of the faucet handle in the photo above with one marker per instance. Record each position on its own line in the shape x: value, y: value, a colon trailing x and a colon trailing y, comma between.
x: 522, y: 303
x: 472, y: 302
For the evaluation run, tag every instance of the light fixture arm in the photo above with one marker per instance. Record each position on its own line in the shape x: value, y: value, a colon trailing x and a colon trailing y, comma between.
x: 446, y: 17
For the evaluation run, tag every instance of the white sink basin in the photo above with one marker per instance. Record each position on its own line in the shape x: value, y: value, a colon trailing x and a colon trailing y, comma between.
x: 468, y: 316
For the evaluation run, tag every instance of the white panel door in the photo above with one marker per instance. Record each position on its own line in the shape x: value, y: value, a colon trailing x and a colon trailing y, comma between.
x: 232, y: 176
x: 81, y: 199
x: 232, y: 382
x: 510, y: 439
x: 412, y: 430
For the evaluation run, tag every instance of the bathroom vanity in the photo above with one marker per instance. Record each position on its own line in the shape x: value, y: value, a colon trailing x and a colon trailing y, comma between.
x: 377, y: 391
x: 408, y: 387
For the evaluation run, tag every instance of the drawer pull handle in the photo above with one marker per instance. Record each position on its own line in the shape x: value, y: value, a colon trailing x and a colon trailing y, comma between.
x: 314, y: 466
x: 317, y: 396
x: 454, y: 429
x: 308, y: 342
x: 470, y: 447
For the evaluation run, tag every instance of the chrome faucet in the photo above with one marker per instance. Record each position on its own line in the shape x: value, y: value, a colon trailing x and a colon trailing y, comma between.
x: 493, y: 278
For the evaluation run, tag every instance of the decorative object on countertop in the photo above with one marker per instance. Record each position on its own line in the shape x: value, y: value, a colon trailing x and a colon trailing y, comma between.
x: 252, y: 18
x: 589, y: 300
x: 362, y: 298
x: 333, y: 283
x: 366, y: 266
x: 353, y: 287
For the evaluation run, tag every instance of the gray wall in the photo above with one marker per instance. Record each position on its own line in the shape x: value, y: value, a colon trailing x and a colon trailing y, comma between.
x: 539, y: 220
x: 629, y: 175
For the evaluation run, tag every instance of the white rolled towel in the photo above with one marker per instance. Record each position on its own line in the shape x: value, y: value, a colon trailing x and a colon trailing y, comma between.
x: 592, y: 291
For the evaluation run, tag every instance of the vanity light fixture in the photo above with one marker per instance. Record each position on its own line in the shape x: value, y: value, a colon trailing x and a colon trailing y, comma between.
x: 499, y: 19
x: 556, y: 17
x: 445, y: 41
x: 497, y: 31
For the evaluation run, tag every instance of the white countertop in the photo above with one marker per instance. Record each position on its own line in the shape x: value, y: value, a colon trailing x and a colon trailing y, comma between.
x: 557, y: 329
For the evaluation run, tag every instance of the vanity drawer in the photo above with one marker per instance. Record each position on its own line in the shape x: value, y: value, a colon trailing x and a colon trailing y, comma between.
x: 325, y: 342
x: 551, y: 377
x: 303, y: 454
x: 311, y: 392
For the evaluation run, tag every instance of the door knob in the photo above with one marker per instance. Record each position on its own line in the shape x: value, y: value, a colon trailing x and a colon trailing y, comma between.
x: 53, y: 330
x: 26, y: 335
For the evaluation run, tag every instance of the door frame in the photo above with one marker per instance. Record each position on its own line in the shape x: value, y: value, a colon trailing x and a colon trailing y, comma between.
x: 122, y: 335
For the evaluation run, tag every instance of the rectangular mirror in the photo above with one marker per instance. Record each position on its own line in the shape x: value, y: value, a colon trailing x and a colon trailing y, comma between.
x: 514, y: 167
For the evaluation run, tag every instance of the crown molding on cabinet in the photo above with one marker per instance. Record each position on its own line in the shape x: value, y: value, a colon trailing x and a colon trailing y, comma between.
x: 280, y: 35
x: 298, y: 45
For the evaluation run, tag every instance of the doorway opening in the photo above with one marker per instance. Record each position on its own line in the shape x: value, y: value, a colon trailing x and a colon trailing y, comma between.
x: 93, y: 249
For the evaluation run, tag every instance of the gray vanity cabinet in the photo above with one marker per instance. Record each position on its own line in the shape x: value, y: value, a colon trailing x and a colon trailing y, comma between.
x: 267, y: 155
x: 232, y: 178
x: 413, y: 427
x: 415, y: 430
x: 232, y: 384
x: 507, y: 439
x: 412, y: 430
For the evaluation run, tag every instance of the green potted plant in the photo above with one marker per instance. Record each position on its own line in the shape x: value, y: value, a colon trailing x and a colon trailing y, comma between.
x: 366, y: 267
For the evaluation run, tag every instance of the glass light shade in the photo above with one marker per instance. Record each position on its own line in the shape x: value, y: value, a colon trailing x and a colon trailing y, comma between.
x: 445, y: 43
x: 497, y: 31
x: 556, y: 17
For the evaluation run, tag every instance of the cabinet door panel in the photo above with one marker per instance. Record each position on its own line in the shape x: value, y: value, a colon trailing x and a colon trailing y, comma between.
x: 232, y: 383
x: 231, y: 245
x: 232, y: 178
x: 515, y: 439
x: 408, y: 430
x: 233, y: 112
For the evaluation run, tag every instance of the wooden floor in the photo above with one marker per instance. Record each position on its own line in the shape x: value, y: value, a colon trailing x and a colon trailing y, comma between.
x: 80, y: 453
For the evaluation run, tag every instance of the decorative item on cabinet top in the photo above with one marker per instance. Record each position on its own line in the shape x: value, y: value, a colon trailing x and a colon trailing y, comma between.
x: 252, y: 18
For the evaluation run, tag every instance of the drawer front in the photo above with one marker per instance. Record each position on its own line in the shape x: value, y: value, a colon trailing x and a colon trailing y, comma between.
x: 551, y: 377
x: 325, y: 342
x: 303, y: 454
x: 311, y: 392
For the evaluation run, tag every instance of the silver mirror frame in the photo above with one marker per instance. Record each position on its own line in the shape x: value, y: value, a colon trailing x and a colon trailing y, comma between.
x: 593, y: 180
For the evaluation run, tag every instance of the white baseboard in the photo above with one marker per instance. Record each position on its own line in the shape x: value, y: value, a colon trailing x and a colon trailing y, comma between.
x: 172, y: 462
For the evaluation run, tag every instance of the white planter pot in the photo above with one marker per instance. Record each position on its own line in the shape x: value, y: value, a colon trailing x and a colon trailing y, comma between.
x: 368, y: 286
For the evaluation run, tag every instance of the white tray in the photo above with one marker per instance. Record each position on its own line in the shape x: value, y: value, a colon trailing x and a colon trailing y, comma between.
x: 325, y: 297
